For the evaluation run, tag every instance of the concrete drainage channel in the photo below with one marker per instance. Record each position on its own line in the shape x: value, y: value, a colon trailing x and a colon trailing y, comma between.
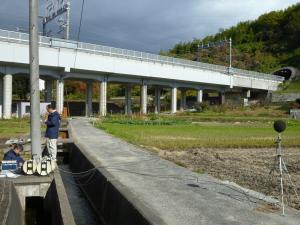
x: 103, y: 193
x: 34, y: 200
x: 95, y: 196
x: 50, y: 200
x: 93, y: 192
x: 69, y: 196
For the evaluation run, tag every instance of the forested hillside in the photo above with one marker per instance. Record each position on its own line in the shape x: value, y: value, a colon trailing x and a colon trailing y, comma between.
x: 265, y: 44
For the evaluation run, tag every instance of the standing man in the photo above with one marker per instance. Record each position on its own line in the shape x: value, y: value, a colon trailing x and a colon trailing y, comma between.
x: 52, y: 123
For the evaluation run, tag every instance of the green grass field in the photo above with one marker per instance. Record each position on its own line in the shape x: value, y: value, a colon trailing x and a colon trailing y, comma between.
x: 13, y: 128
x: 188, y: 135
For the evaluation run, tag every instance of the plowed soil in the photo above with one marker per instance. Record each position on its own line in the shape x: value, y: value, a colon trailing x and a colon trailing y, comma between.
x: 250, y: 168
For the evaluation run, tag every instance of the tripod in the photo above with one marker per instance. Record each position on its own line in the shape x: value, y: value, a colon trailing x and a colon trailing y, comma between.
x: 281, y: 167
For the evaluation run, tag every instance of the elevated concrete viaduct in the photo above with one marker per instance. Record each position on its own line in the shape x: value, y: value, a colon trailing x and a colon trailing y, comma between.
x: 61, y: 60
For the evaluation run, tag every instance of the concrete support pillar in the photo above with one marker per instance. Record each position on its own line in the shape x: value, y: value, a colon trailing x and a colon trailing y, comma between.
x: 200, y: 96
x: 248, y: 94
x: 144, y: 99
x: 60, y: 96
x: 157, y: 100
x: 223, y: 99
x: 89, y: 99
x: 183, y: 100
x: 1, y: 96
x: 48, y: 90
x: 128, y: 101
x: 7, y: 96
x: 103, y: 98
x: 231, y: 81
x: 174, y: 100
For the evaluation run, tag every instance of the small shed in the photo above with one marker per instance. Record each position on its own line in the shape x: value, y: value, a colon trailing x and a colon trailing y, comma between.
x: 295, y: 113
x: 23, y: 109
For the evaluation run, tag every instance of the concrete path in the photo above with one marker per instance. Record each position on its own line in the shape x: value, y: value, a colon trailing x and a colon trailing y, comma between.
x: 175, y: 194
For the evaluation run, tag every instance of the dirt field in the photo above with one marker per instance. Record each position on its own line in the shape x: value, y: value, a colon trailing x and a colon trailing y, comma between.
x: 249, y: 168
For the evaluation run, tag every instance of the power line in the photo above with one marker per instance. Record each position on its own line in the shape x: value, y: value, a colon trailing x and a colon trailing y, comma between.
x: 80, y: 22
x: 79, y: 30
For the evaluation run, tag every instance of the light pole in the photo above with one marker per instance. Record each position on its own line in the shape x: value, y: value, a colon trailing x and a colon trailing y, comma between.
x: 217, y: 44
x: 35, y: 126
x: 230, y: 54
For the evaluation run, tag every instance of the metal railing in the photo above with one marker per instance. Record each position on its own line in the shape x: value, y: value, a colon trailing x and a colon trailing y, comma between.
x: 23, y: 38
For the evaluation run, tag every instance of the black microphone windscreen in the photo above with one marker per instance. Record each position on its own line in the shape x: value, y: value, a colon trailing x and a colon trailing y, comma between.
x: 279, y: 126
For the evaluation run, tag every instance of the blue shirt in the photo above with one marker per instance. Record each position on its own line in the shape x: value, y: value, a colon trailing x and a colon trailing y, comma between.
x: 11, y: 155
x: 52, y: 123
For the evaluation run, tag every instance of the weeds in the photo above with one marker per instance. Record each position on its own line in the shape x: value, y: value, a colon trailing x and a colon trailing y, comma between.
x: 152, y: 119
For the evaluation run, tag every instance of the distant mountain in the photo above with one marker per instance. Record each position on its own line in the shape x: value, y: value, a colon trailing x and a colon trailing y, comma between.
x: 265, y: 44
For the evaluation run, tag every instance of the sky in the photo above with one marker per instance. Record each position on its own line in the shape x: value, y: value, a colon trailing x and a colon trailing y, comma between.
x: 146, y: 25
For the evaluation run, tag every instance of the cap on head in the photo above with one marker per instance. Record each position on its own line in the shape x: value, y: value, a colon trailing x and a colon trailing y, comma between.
x: 18, y: 146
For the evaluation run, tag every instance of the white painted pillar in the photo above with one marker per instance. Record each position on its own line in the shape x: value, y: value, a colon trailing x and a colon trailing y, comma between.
x: 48, y: 90
x: 144, y: 99
x: 174, y: 100
x: 60, y: 96
x: 200, y: 96
x: 183, y: 100
x: 89, y: 99
x: 157, y: 100
x: 231, y: 80
x: 128, y: 101
x: 103, y: 98
x: 1, y: 96
x: 7, y: 96
x: 248, y: 94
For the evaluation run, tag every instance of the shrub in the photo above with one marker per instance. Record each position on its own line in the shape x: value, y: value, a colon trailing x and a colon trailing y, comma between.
x: 219, y: 108
x: 201, y: 106
x: 294, y: 105
x: 153, y: 116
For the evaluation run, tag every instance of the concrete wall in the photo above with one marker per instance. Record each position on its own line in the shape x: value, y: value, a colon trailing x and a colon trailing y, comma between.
x: 16, y: 214
x: 106, y: 195
x: 37, y: 189
x: 285, y: 97
x: 56, y: 203
x: 241, y: 81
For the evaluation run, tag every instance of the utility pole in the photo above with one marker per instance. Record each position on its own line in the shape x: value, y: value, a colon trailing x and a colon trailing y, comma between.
x: 44, y: 26
x: 67, y: 28
x: 35, y: 126
x: 58, y: 9
x: 216, y: 44
x: 199, y: 51
x: 230, y: 53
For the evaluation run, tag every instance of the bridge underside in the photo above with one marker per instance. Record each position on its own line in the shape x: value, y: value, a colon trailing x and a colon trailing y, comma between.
x: 152, y: 91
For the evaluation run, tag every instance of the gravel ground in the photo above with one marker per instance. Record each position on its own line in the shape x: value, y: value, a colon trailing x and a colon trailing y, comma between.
x: 249, y: 168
